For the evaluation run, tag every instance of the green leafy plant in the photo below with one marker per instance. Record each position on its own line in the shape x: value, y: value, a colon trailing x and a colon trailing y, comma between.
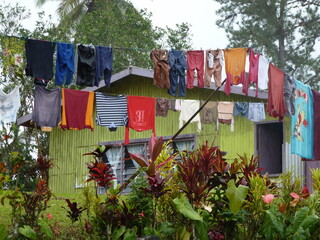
x: 316, y: 178
x: 236, y: 196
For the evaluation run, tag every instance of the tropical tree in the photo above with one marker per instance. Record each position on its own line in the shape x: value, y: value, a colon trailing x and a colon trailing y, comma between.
x: 285, y: 31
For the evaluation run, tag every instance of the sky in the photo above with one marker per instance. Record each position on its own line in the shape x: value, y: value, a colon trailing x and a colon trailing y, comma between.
x: 201, y: 16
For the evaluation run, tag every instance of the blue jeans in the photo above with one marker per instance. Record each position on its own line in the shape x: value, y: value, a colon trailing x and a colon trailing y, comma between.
x: 178, y: 65
x: 64, y: 63
x: 177, y: 78
x: 104, y: 57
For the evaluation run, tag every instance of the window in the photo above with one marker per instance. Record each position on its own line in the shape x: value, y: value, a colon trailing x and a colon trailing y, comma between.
x: 125, y: 169
x: 268, y: 146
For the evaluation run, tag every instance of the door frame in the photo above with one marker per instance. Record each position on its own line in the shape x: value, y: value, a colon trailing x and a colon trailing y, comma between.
x: 282, y: 147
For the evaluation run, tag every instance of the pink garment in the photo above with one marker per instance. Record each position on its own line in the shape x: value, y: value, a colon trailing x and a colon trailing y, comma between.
x: 253, y: 72
x: 195, y: 60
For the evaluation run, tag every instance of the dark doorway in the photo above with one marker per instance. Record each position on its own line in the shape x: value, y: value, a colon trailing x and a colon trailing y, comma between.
x: 268, y: 146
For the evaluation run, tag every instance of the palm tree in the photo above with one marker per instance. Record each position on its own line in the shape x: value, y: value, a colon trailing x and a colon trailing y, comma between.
x: 71, y: 11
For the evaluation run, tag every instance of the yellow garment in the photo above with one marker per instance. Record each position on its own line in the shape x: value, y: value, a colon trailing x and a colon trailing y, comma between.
x: 46, y: 129
x: 235, y: 62
x: 89, y: 112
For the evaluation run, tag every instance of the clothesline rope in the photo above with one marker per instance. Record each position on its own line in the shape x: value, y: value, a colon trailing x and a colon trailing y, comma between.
x: 112, y: 46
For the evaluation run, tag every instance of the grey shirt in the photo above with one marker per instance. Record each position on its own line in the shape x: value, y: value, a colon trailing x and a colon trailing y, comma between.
x: 47, y: 107
x: 289, y: 94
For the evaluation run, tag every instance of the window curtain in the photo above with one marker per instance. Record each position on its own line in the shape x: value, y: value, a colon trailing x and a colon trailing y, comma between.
x: 185, y: 145
x: 114, y: 156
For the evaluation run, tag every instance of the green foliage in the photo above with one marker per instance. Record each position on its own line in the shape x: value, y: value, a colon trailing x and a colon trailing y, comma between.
x: 285, y: 31
x: 45, y: 229
x: 300, y: 226
x: 3, y: 233
x: 236, y: 196
x: 28, y: 232
x: 316, y: 178
x: 117, y: 233
x: 184, y: 207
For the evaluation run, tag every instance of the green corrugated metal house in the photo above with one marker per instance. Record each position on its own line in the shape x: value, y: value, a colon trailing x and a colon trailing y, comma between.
x: 269, y: 139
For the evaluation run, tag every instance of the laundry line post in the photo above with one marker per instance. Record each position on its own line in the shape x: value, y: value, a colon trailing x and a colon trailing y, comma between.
x: 195, y: 114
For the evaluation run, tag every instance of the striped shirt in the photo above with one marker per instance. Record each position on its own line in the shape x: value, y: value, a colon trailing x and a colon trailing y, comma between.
x: 112, y: 111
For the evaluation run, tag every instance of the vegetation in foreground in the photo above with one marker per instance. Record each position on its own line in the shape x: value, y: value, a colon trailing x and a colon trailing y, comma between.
x: 187, y: 195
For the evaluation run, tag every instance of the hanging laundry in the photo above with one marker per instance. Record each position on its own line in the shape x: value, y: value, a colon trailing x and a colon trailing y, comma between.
x: 177, y: 105
x: 104, y: 58
x: 64, y: 63
x: 13, y: 50
x: 40, y: 82
x: 253, y: 72
x: 112, y: 111
x: 47, y: 107
x: 289, y: 94
x: 209, y: 113
x: 40, y: 58
x: 256, y: 112
x: 302, y: 122
x: 213, y: 67
x: 172, y: 105
x: 9, y: 105
x: 77, y: 109
x: 141, y: 114
x: 276, y: 107
x: 160, y: 59
x: 195, y: 61
x: 263, y: 73
x: 316, y: 120
x: 225, y: 114
x: 86, y: 65
x: 241, y: 108
x: 188, y: 108
x: 162, y: 107
x: 178, y: 66
x: 235, y: 60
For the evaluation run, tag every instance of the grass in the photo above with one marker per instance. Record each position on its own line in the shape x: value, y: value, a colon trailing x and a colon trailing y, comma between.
x: 62, y: 224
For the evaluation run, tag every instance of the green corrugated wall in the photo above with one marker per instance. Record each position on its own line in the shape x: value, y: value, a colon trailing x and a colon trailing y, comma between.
x: 67, y: 146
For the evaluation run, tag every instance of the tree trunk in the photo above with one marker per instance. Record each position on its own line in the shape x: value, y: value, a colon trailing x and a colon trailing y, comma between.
x: 282, y: 36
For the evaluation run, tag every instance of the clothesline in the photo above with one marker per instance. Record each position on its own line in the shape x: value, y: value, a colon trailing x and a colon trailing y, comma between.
x: 118, y: 47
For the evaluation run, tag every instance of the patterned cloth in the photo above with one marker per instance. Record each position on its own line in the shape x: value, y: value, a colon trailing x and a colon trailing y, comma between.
x: 162, y: 107
x: 302, y: 122
x: 256, y: 112
x: 111, y: 110
x: 9, y: 105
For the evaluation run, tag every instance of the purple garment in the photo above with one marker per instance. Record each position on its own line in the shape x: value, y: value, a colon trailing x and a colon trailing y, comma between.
x: 316, y: 117
x: 47, y: 107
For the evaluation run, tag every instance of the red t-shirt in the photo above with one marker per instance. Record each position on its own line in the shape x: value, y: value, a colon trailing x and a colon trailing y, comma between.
x: 141, y: 115
x: 276, y: 107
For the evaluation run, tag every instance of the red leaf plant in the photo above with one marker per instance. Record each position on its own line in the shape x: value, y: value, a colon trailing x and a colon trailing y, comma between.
x: 149, y: 166
x: 195, y: 170
x: 156, y: 182
x: 157, y: 185
x: 74, y: 211
x: 101, y: 173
